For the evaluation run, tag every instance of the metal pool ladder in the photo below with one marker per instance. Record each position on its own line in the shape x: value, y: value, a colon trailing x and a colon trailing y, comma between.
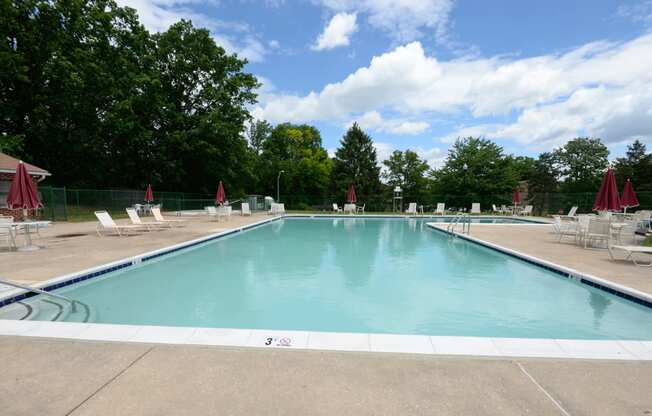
x: 461, y: 218
x: 73, y: 303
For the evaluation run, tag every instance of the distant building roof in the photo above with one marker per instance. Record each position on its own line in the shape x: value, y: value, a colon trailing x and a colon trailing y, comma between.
x: 9, y: 164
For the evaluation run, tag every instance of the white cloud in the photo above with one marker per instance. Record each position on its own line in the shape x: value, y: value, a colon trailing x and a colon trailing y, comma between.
x: 337, y: 32
x: 599, y: 88
x: 374, y: 121
x: 234, y: 37
x: 637, y: 12
x: 404, y: 20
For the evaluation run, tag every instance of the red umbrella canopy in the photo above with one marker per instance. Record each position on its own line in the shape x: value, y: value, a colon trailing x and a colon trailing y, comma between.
x: 149, y: 194
x: 516, y: 197
x: 607, y: 198
x: 22, y: 193
x: 220, y: 197
x: 350, y: 196
x: 629, y: 198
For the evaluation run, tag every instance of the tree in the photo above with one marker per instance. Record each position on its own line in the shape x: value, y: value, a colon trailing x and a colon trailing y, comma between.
x: 298, y: 151
x: 523, y: 166
x: 582, y: 162
x: 407, y: 170
x: 356, y: 163
x: 475, y: 166
x: 636, y: 165
x: 257, y: 133
x: 545, y: 174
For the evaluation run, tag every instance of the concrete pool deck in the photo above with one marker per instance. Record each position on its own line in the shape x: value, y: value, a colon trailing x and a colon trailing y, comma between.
x: 61, y: 377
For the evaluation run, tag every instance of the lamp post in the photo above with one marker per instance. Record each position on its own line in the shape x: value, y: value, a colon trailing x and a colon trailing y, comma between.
x: 466, y: 168
x: 278, y: 192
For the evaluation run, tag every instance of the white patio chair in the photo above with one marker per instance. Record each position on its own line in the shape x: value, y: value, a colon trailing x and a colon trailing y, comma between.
x: 156, y: 211
x: 135, y: 220
x: 527, y: 210
x: 412, y: 209
x: 106, y: 224
x: 350, y: 208
x: 475, y: 208
x: 360, y: 209
x: 336, y: 209
x: 244, y: 209
x: 7, y: 230
x: 441, y: 209
x: 599, y: 229
x: 564, y: 228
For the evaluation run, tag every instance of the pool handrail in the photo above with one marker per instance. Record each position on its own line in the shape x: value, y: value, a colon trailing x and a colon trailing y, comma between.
x: 72, y: 302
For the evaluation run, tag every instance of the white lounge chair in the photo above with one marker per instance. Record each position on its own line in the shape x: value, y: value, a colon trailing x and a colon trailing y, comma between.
x: 336, y: 209
x: 244, y: 209
x: 631, y: 251
x: 412, y: 209
x: 441, y: 209
x: 475, y: 208
x: 7, y: 230
x: 527, y: 210
x: 277, y: 209
x: 360, y: 209
x: 135, y: 220
x: 106, y: 224
x: 571, y: 212
x: 156, y: 212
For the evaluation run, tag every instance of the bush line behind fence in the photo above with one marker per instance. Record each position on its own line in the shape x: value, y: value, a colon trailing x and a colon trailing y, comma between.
x: 63, y: 204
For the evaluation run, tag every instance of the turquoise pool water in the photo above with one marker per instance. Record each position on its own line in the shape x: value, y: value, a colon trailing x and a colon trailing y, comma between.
x: 358, y: 275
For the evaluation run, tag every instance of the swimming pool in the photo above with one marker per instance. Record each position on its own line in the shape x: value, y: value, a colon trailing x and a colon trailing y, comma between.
x: 369, y: 275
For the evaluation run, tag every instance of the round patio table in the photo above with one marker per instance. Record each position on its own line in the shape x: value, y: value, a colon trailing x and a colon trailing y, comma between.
x: 28, y: 227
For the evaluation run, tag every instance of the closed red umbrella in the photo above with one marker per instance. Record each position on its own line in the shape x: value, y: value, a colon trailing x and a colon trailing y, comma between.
x: 516, y: 197
x: 350, y: 196
x: 220, y: 197
x: 22, y: 193
x: 149, y: 194
x: 628, y: 199
x: 607, y: 198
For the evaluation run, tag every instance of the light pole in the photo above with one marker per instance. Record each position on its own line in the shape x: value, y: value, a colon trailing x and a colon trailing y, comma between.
x: 278, y: 192
x: 465, y: 167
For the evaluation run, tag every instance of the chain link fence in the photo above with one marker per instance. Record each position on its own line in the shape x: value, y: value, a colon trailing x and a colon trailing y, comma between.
x: 62, y: 204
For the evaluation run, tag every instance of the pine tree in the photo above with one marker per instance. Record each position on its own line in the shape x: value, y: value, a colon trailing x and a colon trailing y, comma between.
x: 356, y: 163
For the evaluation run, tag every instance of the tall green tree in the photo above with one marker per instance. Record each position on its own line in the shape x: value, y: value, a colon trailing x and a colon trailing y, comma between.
x: 258, y: 132
x: 297, y: 150
x: 356, y: 163
x: 476, y: 166
x: 407, y: 170
x: 582, y: 162
x: 636, y: 165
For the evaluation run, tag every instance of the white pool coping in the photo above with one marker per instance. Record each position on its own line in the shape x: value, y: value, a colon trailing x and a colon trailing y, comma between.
x: 316, y: 340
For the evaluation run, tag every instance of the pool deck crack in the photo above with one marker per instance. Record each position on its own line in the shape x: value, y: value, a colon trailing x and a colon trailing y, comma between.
x: 121, y: 372
x: 540, y: 387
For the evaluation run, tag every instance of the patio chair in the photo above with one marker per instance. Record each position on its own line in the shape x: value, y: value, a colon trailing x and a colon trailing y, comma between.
x: 564, y: 228
x: 7, y: 230
x: 527, y: 210
x: 412, y: 209
x: 441, y: 209
x: 277, y: 209
x: 135, y: 220
x: 630, y: 252
x: 360, y: 209
x: 495, y: 210
x: 244, y: 209
x: 599, y: 229
x: 571, y: 212
x: 156, y: 212
x: 336, y: 209
x: 475, y: 208
x: 106, y: 224
x: 350, y: 208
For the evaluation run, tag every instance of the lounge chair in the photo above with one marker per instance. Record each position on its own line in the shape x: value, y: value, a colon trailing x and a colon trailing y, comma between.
x: 571, y: 212
x: 631, y: 251
x: 360, y: 209
x: 244, y: 209
x: 441, y: 209
x: 412, y: 209
x: 6, y: 229
x: 336, y: 209
x: 135, y: 220
x: 156, y: 212
x: 495, y: 210
x: 475, y: 208
x: 277, y: 209
x: 107, y: 224
x: 527, y: 210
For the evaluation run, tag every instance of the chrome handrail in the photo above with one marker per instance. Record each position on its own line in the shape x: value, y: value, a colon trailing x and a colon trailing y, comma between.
x: 42, y: 292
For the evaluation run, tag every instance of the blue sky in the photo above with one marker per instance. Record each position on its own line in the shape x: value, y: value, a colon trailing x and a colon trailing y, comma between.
x: 419, y: 73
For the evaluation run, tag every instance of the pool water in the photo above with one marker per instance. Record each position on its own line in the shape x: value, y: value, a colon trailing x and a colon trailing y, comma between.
x: 358, y: 275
